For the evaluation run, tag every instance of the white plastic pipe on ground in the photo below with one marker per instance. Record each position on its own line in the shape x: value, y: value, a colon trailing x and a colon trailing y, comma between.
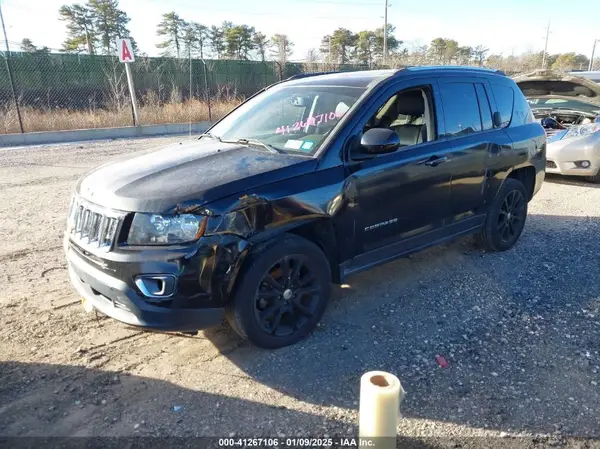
x: 380, y: 396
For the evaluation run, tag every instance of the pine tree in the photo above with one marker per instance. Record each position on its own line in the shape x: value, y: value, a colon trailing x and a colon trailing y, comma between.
x: 392, y: 43
x: 27, y: 46
x: 110, y: 23
x: 202, y: 36
x: 238, y: 41
x: 195, y: 38
x: 261, y: 43
x: 172, y: 27
x: 217, y: 40
x: 81, y: 31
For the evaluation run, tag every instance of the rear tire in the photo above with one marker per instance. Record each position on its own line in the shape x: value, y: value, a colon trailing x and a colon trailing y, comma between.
x: 506, y: 217
x: 281, y: 294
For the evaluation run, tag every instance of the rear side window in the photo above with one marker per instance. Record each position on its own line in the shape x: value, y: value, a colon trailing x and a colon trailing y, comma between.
x: 461, y: 109
x: 522, y: 114
x: 484, y: 107
x: 504, y: 96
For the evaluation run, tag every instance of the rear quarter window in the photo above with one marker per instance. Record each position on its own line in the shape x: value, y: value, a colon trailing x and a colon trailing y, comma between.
x: 522, y: 114
x: 504, y: 96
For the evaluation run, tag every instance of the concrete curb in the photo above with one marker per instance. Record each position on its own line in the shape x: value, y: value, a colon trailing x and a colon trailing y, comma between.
x: 79, y: 135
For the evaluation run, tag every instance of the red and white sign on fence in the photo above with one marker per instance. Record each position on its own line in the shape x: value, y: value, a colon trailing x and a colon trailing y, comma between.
x: 125, y: 50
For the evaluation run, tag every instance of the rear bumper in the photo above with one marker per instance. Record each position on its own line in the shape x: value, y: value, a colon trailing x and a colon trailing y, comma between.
x: 117, y: 300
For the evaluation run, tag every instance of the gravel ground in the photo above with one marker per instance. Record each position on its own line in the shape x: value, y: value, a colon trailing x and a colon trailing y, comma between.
x: 520, y: 331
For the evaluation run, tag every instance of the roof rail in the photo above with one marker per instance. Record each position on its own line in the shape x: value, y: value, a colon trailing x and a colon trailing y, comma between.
x: 452, y: 67
x: 306, y: 75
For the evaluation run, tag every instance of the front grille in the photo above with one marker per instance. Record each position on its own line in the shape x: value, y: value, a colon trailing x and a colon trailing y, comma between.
x: 550, y: 164
x: 93, y: 226
x: 551, y: 132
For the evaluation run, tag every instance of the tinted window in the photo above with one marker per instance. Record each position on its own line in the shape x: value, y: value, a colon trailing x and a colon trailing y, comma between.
x: 461, y: 109
x: 522, y: 114
x: 484, y: 107
x: 504, y: 96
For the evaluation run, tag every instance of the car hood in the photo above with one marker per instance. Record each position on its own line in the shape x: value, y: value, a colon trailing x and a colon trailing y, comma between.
x: 549, y: 84
x: 194, y: 172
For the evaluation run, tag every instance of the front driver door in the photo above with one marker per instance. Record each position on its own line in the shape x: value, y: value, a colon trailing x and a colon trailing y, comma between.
x: 403, y: 195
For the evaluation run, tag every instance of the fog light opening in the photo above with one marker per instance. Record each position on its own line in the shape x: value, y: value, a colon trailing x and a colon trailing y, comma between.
x: 156, y: 286
x: 585, y: 164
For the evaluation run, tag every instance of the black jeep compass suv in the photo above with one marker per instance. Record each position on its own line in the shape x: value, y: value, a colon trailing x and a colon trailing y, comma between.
x: 310, y: 180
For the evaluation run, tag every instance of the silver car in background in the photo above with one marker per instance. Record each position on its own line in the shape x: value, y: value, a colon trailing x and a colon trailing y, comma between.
x: 568, y: 107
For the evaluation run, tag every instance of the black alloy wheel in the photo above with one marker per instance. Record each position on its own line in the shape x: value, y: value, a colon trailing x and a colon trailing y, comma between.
x: 511, y: 216
x: 287, y: 296
x: 506, y: 217
x: 281, y: 293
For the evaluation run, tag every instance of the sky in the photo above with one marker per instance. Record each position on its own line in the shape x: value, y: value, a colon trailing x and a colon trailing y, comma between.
x: 507, y: 26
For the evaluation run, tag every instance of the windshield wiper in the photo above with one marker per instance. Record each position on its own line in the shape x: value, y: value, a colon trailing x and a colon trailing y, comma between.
x: 260, y: 143
x: 212, y: 136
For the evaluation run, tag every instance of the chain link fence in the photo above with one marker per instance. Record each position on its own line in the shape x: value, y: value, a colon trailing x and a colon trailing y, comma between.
x: 54, y: 91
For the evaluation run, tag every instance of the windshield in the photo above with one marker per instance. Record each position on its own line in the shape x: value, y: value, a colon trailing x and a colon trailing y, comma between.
x: 563, y: 103
x: 293, y: 119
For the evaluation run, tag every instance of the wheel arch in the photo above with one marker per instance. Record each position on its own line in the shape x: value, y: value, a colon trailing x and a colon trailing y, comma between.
x: 525, y: 175
x: 319, y: 231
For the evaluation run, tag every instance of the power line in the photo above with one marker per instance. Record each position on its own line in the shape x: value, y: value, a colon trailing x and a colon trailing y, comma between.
x: 342, y: 3
x: 385, y: 32
x: 271, y: 14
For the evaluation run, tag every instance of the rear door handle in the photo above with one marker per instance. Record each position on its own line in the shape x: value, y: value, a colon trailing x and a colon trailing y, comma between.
x: 433, y: 161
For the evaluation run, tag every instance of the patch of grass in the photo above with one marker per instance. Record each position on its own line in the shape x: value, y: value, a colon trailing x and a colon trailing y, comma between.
x: 151, y: 113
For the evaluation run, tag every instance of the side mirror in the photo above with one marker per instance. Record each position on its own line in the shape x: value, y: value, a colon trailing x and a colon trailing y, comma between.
x: 379, y: 141
x: 497, y: 119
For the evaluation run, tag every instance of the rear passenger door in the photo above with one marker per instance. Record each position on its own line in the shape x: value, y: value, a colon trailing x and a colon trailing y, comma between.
x: 469, y: 130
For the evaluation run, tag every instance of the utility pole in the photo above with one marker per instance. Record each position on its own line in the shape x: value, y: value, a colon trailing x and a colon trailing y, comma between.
x: 385, y: 32
x: 591, y: 67
x: 8, y: 69
x: 546, y: 47
x: 191, y: 91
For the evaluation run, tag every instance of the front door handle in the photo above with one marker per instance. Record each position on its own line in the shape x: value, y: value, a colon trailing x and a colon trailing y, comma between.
x: 433, y: 161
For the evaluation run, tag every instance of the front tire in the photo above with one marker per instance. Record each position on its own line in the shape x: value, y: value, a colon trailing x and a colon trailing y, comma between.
x: 595, y: 179
x: 282, y: 293
x: 506, y: 217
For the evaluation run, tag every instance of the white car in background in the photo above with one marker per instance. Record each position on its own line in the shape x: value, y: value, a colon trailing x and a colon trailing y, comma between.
x: 568, y: 107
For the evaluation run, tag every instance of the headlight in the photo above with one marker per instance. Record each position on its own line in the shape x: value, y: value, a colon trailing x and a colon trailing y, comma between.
x: 154, y: 229
x: 582, y: 130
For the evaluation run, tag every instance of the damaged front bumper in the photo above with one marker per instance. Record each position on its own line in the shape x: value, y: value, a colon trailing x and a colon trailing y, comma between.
x: 201, y: 279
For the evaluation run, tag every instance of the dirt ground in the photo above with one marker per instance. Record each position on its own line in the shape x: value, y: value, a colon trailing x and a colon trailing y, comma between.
x: 520, y: 331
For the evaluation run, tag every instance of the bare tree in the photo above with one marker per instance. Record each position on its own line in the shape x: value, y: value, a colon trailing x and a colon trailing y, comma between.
x: 282, y: 48
x: 479, y: 53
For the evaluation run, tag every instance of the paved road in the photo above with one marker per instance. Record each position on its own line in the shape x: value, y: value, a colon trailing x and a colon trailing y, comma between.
x: 520, y: 331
